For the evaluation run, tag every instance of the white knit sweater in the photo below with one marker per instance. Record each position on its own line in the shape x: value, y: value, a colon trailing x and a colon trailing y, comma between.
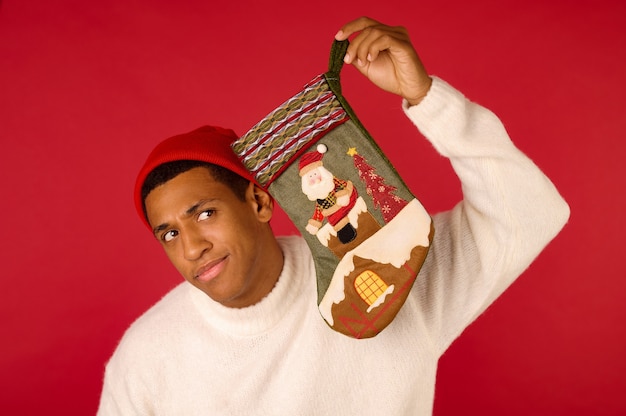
x: 191, y: 356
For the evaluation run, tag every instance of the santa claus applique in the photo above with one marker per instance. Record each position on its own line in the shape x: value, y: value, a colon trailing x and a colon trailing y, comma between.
x: 335, y: 199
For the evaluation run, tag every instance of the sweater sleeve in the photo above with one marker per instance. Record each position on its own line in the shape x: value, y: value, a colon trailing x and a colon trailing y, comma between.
x: 510, y: 211
x: 122, y: 392
x: 132, y: 373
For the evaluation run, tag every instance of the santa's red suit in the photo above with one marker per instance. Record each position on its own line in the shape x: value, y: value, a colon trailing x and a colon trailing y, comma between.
x: 329, y: 208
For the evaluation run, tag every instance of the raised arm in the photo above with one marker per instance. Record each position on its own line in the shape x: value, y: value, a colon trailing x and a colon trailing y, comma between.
x: 510, y: 209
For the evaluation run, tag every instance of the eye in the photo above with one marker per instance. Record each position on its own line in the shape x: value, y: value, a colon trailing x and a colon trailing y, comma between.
x: 204, y: 215
x: 169, y: 235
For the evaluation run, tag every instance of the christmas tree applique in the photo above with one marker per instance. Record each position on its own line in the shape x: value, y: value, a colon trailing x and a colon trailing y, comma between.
x: 382, y: 193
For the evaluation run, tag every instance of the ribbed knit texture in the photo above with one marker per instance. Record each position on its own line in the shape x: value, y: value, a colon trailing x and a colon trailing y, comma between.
x: 190, y: 356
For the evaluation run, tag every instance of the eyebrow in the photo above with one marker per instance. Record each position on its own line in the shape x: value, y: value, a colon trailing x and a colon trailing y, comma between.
x: 189, y: 212
x: 160, y: 228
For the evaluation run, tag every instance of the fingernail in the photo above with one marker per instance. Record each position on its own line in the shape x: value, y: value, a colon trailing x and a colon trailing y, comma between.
x: 369, y: 57
x: 346, y: 58
x: 359, y: 62
x: 339, y: 34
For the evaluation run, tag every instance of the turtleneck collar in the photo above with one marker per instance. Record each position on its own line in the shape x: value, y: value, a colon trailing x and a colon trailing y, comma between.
x: 264, y: 315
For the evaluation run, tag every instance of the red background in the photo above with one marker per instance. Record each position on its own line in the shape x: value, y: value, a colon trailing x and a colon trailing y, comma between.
x: 87, y: 88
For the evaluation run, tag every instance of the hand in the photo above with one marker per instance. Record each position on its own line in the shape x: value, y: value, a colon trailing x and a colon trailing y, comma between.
x: 343, y: 200
x: 385, y: 55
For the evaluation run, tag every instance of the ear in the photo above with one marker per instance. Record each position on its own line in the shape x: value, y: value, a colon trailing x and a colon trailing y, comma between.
x: 263, y: 201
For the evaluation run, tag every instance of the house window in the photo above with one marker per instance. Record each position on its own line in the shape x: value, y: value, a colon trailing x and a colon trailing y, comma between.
x: 369, y: 286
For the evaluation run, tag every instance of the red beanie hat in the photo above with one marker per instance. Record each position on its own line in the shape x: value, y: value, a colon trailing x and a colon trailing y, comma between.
x: 207, y: 144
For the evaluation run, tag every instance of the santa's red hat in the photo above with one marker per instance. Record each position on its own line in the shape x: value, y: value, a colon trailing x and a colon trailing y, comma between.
x: 312, y: 160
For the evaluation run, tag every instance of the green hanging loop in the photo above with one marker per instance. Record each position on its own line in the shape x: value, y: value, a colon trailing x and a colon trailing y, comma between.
x: 337, y: 53
x: 335, y: 63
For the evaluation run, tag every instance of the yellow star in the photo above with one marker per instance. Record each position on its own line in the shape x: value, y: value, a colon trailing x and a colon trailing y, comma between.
x: 352, y: 151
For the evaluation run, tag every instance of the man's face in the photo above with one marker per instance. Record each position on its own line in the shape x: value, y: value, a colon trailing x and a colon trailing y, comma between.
x: 211, y: 236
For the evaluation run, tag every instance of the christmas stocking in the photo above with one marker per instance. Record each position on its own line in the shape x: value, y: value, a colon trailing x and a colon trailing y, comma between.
x: 368, y: 234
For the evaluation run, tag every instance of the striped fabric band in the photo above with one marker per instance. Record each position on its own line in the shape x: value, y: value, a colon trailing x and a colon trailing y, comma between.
x: 271, y: 144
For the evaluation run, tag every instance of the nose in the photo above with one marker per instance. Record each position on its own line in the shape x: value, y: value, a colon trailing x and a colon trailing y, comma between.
x: 195, y: 244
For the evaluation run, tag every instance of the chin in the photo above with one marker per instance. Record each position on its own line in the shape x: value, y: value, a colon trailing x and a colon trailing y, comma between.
x: 228, y: 298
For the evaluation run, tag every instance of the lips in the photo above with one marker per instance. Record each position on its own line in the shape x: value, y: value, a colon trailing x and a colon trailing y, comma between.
x: 211, y: 270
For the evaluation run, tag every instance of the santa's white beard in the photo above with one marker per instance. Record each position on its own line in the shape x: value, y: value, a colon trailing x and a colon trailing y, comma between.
x: 321, y: 189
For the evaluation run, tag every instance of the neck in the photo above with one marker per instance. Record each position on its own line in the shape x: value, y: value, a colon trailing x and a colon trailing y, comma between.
x: 272, y: 262
x: 267, y: 269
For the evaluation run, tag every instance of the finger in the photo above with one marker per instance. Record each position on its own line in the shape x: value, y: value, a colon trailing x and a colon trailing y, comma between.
x: 368, y: 44
x: 354, y: 26
x: 358, y: 49
x: 392, y: 42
